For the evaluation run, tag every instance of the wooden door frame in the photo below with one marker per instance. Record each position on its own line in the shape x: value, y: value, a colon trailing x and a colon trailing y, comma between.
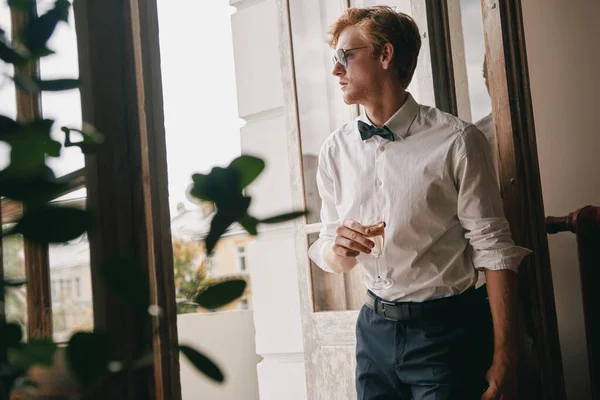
x: 541, y: 362
x: 121, y: 96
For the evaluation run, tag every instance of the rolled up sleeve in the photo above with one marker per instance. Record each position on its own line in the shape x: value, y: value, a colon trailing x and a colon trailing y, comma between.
x: 479, y: 205
x: 329, y: 215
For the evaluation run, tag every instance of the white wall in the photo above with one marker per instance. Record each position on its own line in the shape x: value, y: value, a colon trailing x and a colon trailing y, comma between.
x: 564, y: 59
x: 228, y: 339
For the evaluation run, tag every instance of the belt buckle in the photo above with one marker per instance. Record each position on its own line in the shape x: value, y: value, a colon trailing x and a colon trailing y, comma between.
x: 383, y: 304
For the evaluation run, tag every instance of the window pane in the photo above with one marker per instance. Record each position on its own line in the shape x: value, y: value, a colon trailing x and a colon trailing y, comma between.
x: 8, y: 105
x: 421, y: 86
x: 202, y: 131
x: 468, y: 54
x: 320, y: 105
x: 63, y: 106
x: 13, y: 256
x: 71, y: 284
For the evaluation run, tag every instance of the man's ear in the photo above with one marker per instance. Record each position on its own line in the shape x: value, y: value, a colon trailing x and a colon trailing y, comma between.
x: 387, y: 54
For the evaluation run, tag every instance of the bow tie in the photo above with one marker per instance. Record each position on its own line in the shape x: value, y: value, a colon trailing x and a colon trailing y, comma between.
x: 367, y: 131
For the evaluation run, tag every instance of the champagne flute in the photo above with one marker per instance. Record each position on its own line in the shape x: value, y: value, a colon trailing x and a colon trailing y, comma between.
x: 376, y: 225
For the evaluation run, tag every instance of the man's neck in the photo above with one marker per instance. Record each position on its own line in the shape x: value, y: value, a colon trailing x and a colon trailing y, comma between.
x: 382, y: 109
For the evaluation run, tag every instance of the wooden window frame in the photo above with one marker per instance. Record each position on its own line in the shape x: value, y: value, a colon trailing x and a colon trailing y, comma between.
x: 541, y: 361
x: 126, y: 180
x: 127, y: 183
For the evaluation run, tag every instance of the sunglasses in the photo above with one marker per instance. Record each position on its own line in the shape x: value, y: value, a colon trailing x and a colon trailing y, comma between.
x: 340, y: 56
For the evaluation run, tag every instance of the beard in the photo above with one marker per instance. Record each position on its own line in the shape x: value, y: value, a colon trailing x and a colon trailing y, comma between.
x: 356, y: 93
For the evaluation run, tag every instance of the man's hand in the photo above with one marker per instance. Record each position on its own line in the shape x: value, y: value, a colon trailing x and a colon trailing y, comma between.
x: 502, y: 380
x: 351, y: 240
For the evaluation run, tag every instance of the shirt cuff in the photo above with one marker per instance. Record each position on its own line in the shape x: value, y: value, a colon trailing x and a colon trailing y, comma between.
x: 316, y: 252
x: 507, y: 258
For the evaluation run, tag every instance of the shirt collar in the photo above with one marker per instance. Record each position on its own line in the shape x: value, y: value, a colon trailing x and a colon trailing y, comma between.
x: 401, y: 121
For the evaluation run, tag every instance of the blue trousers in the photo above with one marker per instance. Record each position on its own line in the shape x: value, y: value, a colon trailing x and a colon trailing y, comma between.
x: 445, y: 358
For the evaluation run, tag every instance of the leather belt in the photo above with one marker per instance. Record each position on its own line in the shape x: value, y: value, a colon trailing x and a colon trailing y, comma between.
x: 406, y: 311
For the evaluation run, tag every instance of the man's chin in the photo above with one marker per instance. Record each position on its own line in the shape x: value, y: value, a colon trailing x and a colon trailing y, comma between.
x: 349, y: 99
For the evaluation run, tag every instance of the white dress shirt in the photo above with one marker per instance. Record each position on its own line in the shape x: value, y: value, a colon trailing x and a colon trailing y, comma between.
x: 435, y: 188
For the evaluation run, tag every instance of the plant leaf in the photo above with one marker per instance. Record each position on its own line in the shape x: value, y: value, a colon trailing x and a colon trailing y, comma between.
x: 29, y: 147
x: 34, y: 190
x: 202, y: 363
x: 283, y: 217
x: 34, y: 86
x: 53, y: 224
x: 222, y: 293
x: 8, y: 126
x: 10, y: 55
x: 143, y: 361
x: 220, y: 185
x: 225, y: 216
x: 88, y: 355
x: 127, y: 282
x: 248, y: 169
x: 10, y: 334
x: 249, y: 224
x: 55, y: 85
x: 40, y: 29
x: 14, y: 282
x: 22, y: 5
x: 218, y: 226
x: 91, y: 138
x: 34, y: 352
x: 26, y: 83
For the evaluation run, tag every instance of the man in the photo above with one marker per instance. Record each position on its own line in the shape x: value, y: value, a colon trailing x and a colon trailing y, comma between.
x: 430, y: 178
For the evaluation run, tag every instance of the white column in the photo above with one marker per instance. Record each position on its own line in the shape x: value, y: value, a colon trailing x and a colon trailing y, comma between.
x: 271, y: 257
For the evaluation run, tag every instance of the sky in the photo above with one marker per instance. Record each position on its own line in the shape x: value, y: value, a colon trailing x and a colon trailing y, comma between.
x: 199, y: 87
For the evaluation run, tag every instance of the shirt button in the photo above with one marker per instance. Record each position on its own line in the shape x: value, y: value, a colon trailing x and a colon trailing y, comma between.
x: 381, y: 148
x: 379, y: 183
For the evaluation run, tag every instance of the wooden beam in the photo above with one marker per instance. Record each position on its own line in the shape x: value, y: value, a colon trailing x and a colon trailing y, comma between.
x: 37, y: 263
x: 2, y: 299
x: 540, y: 369
x: 127, y: 183
x: 438, y: 27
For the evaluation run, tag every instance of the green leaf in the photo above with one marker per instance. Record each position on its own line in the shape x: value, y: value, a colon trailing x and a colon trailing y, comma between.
x: 225, y: 216
x: 55, y: 85
x: 248, y: 168
x: 34, y: 86
x: 40, y: 29
x: 26, y: 83
x: 91, y: 138
x: 283, y: 217
x: 218, y: 226
x: 249, y: 224
x: 10, y: 55
x: 14, y: 282
x: 10, y: 334
x: 22, y: 5
x: 202, y: 363
x: 8, y: 126
x: 34, y: 190
x: 88, y: 355
x: 220, y: 185
x: 144, y: 361
x: 222, y: 293
x: 34, y: 352
x: 52, y: 224
x: 127, y: 282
